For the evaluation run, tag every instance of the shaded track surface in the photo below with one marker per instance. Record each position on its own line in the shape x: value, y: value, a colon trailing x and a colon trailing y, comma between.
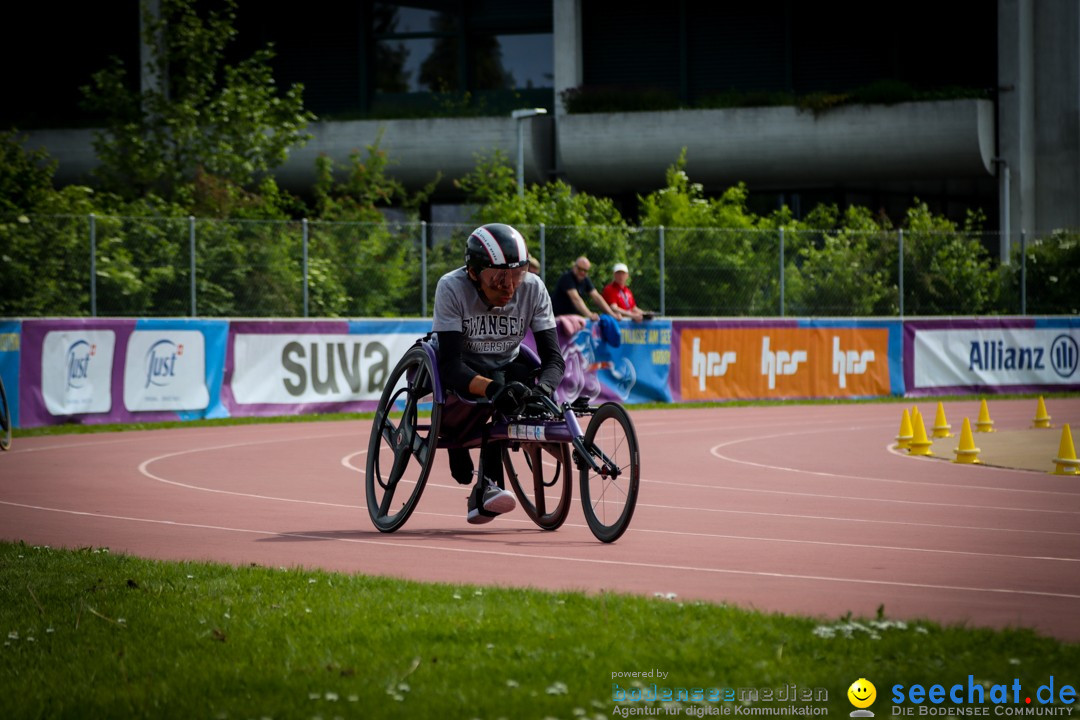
x: 798, y: 509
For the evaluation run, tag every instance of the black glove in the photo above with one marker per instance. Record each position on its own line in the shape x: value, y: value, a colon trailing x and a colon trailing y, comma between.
x: 508, y: 398
x: 542, y: 388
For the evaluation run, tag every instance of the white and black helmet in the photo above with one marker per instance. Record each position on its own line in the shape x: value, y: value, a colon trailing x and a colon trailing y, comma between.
x: 496, y: 245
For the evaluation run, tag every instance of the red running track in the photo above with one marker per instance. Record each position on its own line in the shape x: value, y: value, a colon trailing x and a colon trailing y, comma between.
x: 797, y: 509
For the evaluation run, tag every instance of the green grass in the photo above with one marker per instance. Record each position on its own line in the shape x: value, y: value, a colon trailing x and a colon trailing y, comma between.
x: 92, y: 634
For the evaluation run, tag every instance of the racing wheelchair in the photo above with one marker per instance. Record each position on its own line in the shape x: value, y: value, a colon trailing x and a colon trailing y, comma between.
x: 543, y: 439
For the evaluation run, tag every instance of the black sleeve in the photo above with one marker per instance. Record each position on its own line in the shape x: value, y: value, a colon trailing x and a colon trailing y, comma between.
x: 453, y: 372
x: 552, y: 364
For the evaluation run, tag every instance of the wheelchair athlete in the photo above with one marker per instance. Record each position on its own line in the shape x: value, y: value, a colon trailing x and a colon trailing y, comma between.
x: 482, y: 312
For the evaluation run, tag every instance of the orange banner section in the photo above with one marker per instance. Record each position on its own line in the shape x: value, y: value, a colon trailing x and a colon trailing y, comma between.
x: 725, y: 363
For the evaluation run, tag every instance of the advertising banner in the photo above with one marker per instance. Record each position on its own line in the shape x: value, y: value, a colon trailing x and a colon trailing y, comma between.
x: 10, y: 341
x: 722, y: 360
x: 120, y: 370
x: 630, y: 367
x: 992, y: 354
x: 293, y: 367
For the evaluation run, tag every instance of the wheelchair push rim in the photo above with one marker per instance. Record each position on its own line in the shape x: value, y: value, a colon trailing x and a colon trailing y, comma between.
x: 401, y: 447
x: 541, y: 477
x: 609, y: 496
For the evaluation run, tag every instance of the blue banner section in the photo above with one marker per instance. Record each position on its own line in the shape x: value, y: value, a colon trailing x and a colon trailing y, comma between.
x: 10, y: 337
x: 215, y: 335
x: 626, y: 362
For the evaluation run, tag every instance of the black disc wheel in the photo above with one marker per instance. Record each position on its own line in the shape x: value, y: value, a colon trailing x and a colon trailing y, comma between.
x: 609, y: 496
x: 5, y: 419
x: 401, y: 449
x: 540, y: 476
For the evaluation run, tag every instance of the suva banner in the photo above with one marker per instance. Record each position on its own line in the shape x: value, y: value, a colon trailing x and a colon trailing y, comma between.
x: 291, y: 367
x: 991, y: 355
x: 720, y: 360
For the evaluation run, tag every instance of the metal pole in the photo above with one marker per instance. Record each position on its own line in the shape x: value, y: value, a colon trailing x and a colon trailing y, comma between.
x: 1006, y: 215
x: 191, y: 252
x: 304, y: 233
x: 781, y: 272
x: 520, y: 158
x: 1023, y: 273
x: 93, y: 265
x: 900, y: 270
x: 543, y: 249
x: 423, y: 268
x: 663, y: 311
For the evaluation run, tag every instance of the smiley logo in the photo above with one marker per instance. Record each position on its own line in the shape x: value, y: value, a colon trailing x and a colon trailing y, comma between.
x: 862, y: 693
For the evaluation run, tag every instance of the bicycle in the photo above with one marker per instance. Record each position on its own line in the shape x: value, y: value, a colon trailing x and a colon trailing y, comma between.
x: 605, y: 453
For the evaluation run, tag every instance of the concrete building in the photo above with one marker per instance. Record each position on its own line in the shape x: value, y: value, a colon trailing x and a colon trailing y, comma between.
x: 1011, y: 147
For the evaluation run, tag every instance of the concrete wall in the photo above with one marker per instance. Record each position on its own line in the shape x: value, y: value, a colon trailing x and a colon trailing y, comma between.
x: 779, y: 146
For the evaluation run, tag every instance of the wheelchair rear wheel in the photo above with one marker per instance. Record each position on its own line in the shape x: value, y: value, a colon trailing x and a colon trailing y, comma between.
x: 609, y: 496
x: 543, y: 490
x: 401, y: 448
x: 5, y: 419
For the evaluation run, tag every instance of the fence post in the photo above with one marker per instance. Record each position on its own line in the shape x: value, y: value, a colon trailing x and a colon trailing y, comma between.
x: 93, y: 265
x: 900, y: 269
x: 543, y: 249
x: 191, y: 252
x: 423, y: 268
x: 781, y: 272
x: 304, y: 235
x: 1023, y: 273
x: 663, y: 310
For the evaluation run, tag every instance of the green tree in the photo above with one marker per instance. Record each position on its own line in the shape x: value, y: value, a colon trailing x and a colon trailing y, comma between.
x: 359, y: 264
x: 844, y: 264
x: 575, y: 223
x: 1052, y: 264
x: 226, y: 119
x: 719, y: 257
x: 946, y: 269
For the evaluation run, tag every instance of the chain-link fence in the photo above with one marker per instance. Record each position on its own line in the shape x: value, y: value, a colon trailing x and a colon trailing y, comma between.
x: 177, y: 267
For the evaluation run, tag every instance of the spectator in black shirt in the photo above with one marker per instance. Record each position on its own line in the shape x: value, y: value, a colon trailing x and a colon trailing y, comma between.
x: 572, y: 290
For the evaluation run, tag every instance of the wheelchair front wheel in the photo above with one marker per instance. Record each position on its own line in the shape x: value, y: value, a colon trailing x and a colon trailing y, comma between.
x: 609, y: 496
x: 401, y: 448
x: 544, y: 493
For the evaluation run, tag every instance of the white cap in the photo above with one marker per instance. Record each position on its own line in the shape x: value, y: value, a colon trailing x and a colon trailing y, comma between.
x: 620, y: 267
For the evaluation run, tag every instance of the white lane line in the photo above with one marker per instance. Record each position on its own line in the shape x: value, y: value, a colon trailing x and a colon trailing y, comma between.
x: 143, y: 468
x: 559, y: 558
x: 825, y: 496
x: 714, y: 450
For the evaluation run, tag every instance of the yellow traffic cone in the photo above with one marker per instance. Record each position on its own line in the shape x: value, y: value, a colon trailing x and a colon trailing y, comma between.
x: 1042, y: 418
x: 1066, y: 461
x: 966, y: 452
x: 920, y: 444
x: 904, y: 437
x: 941, y: 426
x: 984, y: 423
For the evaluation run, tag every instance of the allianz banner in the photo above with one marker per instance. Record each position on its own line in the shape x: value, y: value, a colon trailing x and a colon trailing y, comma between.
x: 745, y: 359
x: 1018, y: 354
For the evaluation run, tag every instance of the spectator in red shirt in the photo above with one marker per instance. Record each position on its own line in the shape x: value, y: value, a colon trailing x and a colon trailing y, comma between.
x: 621, y: 298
